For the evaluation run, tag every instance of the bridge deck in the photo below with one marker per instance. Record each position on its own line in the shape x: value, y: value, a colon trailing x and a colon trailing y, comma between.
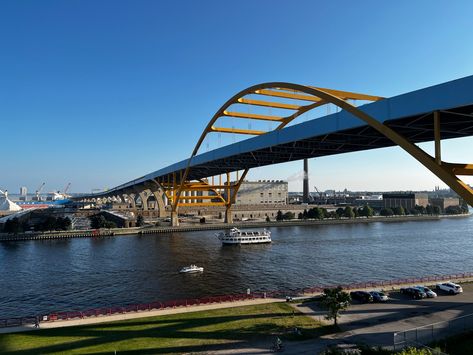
x: 409, y: 114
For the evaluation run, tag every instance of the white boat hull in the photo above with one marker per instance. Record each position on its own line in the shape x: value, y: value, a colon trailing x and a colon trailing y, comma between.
x: 237, y: 237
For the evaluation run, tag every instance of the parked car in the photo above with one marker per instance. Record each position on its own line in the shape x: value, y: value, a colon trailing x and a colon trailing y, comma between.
x: 361, y: 296
x: 450, y: 287
x: 379, y: 296
x: 415, y: 293
x: 428, y: 291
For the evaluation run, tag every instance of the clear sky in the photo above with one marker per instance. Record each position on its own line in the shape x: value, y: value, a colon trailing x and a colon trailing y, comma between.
x: 99, y: 92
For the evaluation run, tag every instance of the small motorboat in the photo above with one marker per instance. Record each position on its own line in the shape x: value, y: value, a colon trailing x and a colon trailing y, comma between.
x: 191, y: 269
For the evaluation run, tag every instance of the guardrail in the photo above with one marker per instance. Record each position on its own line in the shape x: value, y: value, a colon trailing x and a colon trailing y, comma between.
x: 144, y: 307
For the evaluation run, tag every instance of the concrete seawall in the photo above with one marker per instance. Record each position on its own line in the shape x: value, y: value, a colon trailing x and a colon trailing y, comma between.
x: 209, y: 226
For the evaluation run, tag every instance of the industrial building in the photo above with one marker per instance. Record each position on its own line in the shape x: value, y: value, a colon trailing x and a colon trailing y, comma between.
x: 405, y: 200
x: 273, y: 192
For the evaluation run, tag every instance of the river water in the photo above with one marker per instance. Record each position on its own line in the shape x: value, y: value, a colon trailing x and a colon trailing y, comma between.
x: 77, y: 274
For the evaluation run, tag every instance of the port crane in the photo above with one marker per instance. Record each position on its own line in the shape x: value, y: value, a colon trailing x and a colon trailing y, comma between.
x: 66, y: 188
x: 38, y: 191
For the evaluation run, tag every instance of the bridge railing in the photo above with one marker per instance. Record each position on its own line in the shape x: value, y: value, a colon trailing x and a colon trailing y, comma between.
x: 161, y: 305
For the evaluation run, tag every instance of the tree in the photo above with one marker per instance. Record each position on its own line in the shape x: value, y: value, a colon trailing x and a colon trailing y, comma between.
x: 335, y: 300
x: 421, y: 209
x: 386, y: 212
x: 279, y: 216
x: 304, y: 215
x: 367, y: 211
x: 429, y: 209
x: 348, y: 212
x: 288, y: 215
x: 399, y: 211
x: 340, y: 212
x: 300, y: 215
x: 436, y: 210
x: 356, y: 212
x: 139, y: 220
x: 414, y: 211
x: 268, y: 219
x: 12, y: 226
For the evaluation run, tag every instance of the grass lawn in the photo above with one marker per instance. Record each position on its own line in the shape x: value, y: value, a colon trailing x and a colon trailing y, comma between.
x: 177, y: 333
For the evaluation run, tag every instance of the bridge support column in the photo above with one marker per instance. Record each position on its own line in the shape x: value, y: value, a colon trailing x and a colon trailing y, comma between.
x: 144, y: 200
x: 228, y: 214
x: 175, y: 218
x: 159, y: 197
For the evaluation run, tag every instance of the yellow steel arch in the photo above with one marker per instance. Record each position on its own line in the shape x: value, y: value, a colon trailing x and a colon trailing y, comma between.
x: 279, y: 91
x: 312, y: 97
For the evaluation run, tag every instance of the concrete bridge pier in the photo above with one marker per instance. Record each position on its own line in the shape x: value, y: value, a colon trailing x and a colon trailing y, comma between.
x: 159, y: 198
x: 175, y: 218
x: 228, y: 214
x: 144, y: 200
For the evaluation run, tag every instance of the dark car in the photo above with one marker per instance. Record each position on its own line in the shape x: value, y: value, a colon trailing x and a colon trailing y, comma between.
x: 415, y: 293
x: 379, y: 296
x: 361, y: 296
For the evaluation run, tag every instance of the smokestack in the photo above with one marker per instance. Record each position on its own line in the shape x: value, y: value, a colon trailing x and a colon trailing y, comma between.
x: 305, y: 186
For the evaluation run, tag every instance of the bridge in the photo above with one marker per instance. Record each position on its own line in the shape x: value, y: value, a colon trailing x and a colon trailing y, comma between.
x: 213, y: 178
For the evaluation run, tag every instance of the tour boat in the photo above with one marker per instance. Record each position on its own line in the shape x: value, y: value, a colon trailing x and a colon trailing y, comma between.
x: 191, y: 269
x: 236, y: 236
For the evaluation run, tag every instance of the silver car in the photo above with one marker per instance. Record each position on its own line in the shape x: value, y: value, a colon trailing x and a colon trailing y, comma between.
x: 427, y: 291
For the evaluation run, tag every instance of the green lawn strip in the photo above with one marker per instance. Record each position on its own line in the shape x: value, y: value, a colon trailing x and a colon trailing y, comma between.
x: 174, y: 333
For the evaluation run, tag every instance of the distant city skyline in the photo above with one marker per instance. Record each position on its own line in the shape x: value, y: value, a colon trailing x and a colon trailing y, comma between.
x: 104, y: 92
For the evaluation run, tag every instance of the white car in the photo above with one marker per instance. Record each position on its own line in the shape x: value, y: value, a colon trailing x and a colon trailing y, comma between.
x: 450, y: 288
x: 428, y: 291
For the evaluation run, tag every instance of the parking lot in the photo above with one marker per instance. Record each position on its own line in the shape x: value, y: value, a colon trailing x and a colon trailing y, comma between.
x: 375, y: 323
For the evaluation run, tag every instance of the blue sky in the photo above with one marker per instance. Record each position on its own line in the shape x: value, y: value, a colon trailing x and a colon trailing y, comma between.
x: 99, y: 92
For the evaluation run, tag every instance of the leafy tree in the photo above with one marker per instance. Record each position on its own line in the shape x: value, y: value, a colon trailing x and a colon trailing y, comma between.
x: 453, y: 210
x: 202, y: 220
x: 436, y: 210
x: 421, y: 209
x: 348, y: 212
x: 139, y: 220
x: 325, y: 213
x: 12, y: 226
x: 318, y: 214
x: 464, y: 207
x: 300, y: 215
x: 367, y: 211
x: 340, y: 212
x: 99, y: 221
x: 333, y: 214
x: 288, y: 215
x: 356, y: 212
x: 311, y: 213
x: 429, y: 209
x: 305, y: 214
x: 279, y: 216
x: 399, y: 211
x: 63, y: 223
x: 414, y: 211
x: 268, y: 219
x: 335, y: 300
x: 386, y: 212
